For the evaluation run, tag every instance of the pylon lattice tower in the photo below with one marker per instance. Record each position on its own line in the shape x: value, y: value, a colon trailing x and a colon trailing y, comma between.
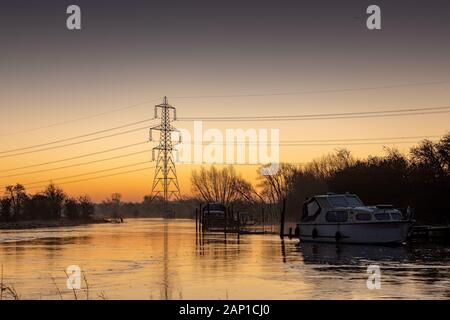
x: 165, y: 181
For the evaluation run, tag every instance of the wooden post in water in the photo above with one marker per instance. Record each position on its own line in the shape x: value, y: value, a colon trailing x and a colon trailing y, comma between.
x: 200, y: 218
x: 239, y: 222
x: 263, y: 222
x: 207, y: 219
x: 226, y: 220
x: 196, y: 219
x: 282, y: 216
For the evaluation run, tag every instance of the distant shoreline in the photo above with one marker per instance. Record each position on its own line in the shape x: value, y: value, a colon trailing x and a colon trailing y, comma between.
x: 37, y: 224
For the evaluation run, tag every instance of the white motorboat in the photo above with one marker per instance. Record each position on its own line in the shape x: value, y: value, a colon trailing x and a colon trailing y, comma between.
x: 344, y: 218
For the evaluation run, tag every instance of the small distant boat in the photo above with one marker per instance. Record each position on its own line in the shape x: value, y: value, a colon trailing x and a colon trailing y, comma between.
x: 214, y: 215
x: 344, y: 218
x: 115, y: 220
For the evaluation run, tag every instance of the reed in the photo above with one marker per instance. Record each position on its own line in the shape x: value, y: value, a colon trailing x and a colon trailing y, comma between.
x: 56, y: 286
x: 73, y: 289
x: 86, y: 284
x: 102, y: 295
x: 7, y: 291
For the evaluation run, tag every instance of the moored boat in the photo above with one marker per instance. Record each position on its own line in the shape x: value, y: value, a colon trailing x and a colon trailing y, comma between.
x: 214, y: 216
x: 344, y: 218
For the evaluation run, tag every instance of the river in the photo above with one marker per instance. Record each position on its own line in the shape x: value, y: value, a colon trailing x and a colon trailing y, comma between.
x: 165, y: 259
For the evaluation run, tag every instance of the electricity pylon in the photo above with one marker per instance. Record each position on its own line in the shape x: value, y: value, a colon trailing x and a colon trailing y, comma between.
x: 165, y: 181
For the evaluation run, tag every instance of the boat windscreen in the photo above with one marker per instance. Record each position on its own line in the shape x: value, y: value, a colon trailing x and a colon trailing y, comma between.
x: 345, y: 201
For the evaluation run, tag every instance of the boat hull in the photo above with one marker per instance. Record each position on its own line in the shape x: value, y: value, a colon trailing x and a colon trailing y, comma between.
x: 391, y: 232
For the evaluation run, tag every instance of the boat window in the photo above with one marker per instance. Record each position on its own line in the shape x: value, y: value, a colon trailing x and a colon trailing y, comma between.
x: 338, y: 201
x: 313, y: 208
x: 323, y: 202
x: 363, y: 216
x: 336, y: 216
x: 354, y: 201
x: 382, y: 216
x: 345, y: 201
x: 396, y: 216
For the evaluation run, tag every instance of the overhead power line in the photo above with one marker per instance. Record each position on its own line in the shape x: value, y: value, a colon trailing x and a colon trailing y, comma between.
x: 74, y: 165
x: 282, y: 142
x: 326, y: 116
x: 96, y: 178
x: 135, y: 164
x: 95, y: 115
x: 145, y: 162
x: 78, y: 137
x: 76, y: 157
x: 346, y: 143
x: 289, y: 93
x: 312, y: 141
x: 342, y: 143
x: 72, y: 144
x: 86, y: 174
x: 364, y: 139
x: 261, y: 94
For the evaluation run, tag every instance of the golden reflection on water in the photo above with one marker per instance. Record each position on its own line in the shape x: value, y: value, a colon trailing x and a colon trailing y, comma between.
x: 166, y: 259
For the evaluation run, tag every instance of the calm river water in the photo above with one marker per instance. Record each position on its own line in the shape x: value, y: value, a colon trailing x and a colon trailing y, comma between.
x: 164, y: 259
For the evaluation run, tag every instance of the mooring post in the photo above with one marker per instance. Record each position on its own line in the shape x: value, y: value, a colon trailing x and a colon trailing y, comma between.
x: 262, y: 207
x: 196, y: 219
x: 226, y: 220
x: 290, y: 233
x: 283, y: 212
x: 207, y: 219
x: 239, y: 222
x: 200, y: 218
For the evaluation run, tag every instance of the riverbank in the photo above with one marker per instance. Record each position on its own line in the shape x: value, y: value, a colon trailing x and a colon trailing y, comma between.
x: 35, y: 224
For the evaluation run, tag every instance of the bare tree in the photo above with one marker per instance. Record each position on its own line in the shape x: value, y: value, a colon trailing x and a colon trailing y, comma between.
x: 17, y: 195
x: 329, y: 164
x: 214, y: 185
x: 56, y: 196
x: 277, y: 186
x: 434, y: 157
x: 5, y: 208
x: 87, y: 207
x: 114, y: 203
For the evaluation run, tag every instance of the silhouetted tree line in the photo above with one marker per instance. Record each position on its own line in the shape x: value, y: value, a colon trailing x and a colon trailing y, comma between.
x: 53, y: 204
x: 150, y: 207
x: 50, y: 204
x: 225, y: 186
x: 419, y: 179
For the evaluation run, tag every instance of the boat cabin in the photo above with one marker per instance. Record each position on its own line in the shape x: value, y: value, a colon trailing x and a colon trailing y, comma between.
x: 214, y: 211
x: 341, y: 208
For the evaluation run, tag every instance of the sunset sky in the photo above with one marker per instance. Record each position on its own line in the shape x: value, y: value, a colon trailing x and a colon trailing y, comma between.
x: 212, y: 58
